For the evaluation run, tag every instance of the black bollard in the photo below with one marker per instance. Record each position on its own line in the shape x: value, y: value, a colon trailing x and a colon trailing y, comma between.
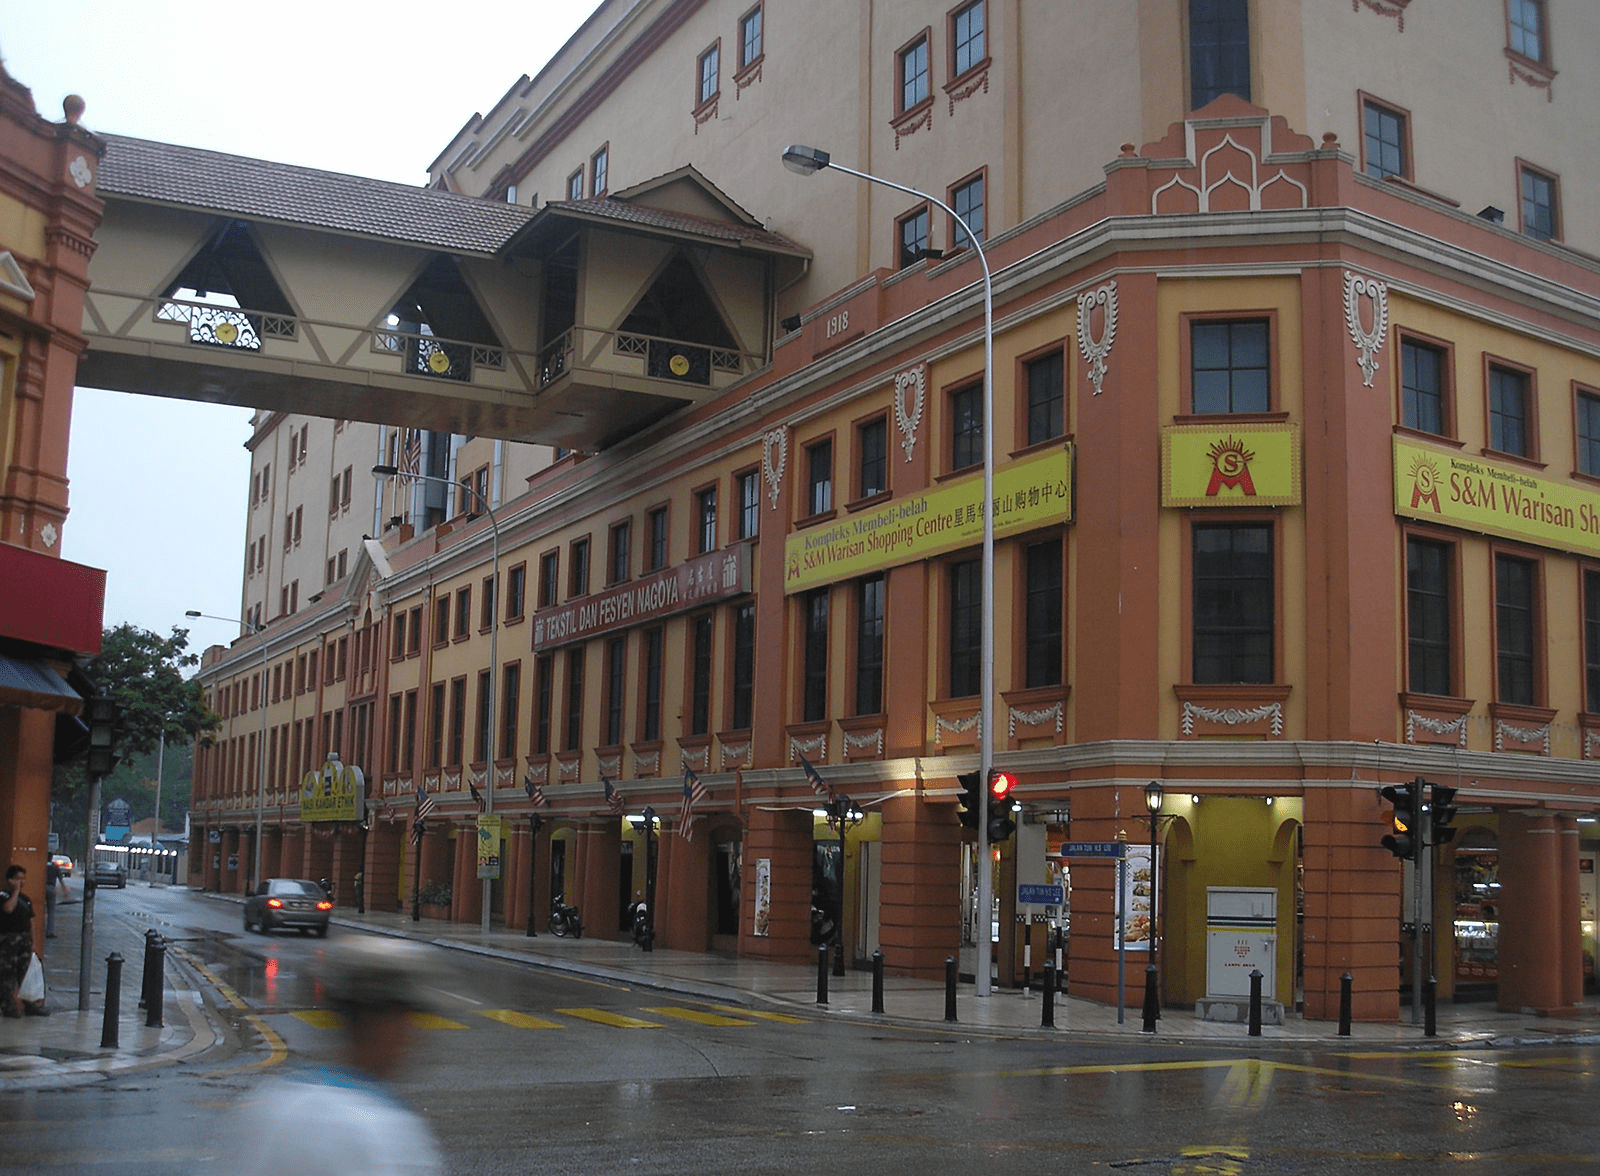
x: 822, y: 974
x: 108, y: 1027
x: 1255, y: 1002
x: 1047, y: 1009
x: 1152, y: 1003
x: 950, y: 988
x: 155, y: 1002
x: 877, y: 981
x: 1344, y: 1004
x: 1430, y: 1025
x: 150, y: 937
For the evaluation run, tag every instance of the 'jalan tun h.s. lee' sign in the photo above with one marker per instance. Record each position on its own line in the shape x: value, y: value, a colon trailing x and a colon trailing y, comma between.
x: 699, y: 581
x: 1029, y: 493
x: 1230, y: 465
x: 1478, y: 495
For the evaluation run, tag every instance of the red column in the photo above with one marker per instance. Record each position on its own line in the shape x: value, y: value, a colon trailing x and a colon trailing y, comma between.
x: 781, y: 839
x: 919, y: 894
x: 1533, y: 923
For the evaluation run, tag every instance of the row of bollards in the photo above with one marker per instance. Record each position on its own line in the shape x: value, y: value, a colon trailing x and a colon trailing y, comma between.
x: 151, y: 990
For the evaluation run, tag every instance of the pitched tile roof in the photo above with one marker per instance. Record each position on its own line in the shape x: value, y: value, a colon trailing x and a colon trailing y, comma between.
x: 259, y: 189
x: 730, y: 232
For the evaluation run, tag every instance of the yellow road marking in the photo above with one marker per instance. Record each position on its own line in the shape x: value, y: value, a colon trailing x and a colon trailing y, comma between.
x: 517, y: 1020
x: 433, y: 1021
x: 780, y: 1018
x: 320, y: 1018
x: 615, y: 1020
x: 714, y: 1019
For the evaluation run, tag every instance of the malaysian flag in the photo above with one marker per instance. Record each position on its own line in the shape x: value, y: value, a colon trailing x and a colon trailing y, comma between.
x: 477, y: 797
x: 425, y: 804
x: 818, y: 784
x: 614, y: 799
x: 693, y: 793
x: 535, y: 793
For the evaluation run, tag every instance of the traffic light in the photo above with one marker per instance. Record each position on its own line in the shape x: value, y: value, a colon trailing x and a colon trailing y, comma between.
x: 971, y: 803
x: 103, y: 716
x: 1001, y: 824
x: 1443, y: 800
x: 1406, y: 839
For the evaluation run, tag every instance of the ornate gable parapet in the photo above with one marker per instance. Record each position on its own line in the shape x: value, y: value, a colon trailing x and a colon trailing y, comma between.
x: 1228, y: 156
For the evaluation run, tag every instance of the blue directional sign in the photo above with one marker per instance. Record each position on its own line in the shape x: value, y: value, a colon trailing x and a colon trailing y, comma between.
x: 1028, y: 895
x: 1094, y: 849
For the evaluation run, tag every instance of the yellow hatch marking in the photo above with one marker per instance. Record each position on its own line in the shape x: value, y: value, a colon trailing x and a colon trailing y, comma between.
x: 615, y: 1020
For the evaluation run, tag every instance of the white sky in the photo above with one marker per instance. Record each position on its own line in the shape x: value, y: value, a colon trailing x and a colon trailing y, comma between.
x: 159, y: 487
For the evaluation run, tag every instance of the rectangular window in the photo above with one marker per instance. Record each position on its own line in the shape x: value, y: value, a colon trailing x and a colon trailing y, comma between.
x: 709, y: 69
x: 1422, y: 385
x: 436, y: 715
x: 544, y: 672
x: 1540, y: 210
x: 1383, y: 141
x: 912, y: 232
x: 744, y: 665
x: 480, y: 739
x: 1428, y: 611
x: 578, y: 582
x: 1234, y: 603
x: 516, y: 591
x: 1042, y: 614
x: 1526, y: 18
x: 598, y: 166
x: 1510, y: 412
x: 408, y: 752
x: 458, y: 721
x: 486, y: 606
x: 393, y: 757
x: 621, y: 556
x: 510, y: 696
x: 967, y: 40
x: 700, y: 681
x: 575, y: 185
x: 441, y: 620
x: 463, y: 612
x: 747, y: 489
x: 705, y: 517
x: 616, y: 689
x: 333, y: 498
x: 872, y: 446
x: 912, y: 67
x: 966, y: 636
x: 814, y: 684
x: 819, y: 477
x: 549, y: 578
x: 1228, y: 366
x: 750, y: 37
x: 966, y: 427
x: 1046, y: 397
x: 574, y: 733
x: 1591, y: 641
x: 398, y: 624
x: 1588, y: 423
x: 1219, y: 50
x: 658, y: 538
x: 967, y: 200
x: 1515, y: 630
x: 653, y: 651
x: 869, y: 646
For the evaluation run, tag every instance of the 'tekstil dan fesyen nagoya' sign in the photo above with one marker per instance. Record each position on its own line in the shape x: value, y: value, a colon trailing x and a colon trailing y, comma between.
x: 1476, y: 494
x: 699, y: 581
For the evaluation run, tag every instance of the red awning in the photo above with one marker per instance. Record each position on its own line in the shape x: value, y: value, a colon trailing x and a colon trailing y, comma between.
x: 49, y: 601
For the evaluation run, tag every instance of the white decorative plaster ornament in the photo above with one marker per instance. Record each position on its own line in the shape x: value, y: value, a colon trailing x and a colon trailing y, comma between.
x: 78, y: 169
x: 1368, y: 342
x: 772, y: 468
x: 908, y: 418
x: 1096, y: 351
x: 48, y: 534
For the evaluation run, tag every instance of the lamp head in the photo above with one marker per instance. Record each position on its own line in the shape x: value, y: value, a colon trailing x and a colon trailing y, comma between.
x: 1152, y: 796
x: 385, y: 471
x: 803, y: 160
x: 191, y: 612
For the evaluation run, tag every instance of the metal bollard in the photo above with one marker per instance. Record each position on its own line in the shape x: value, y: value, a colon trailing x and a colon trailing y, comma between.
x: 822, y: 974
x: 1255, y: 1002
x: 150, y: 937
x: 1152, y: 1001
x: 1047, y: 1010
x: 1430, y: 1025
x: 877, y: 981
x: 108, y: 1026
x: 155, y: 1002
x: 950, y: 988
x: 1344, y: 1004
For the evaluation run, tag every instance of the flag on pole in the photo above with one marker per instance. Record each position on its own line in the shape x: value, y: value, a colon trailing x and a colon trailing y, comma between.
x: 818, y: 784
x: 425, y: 804
x: 614, y: 799
x: 477, y: 797
x: 535, y: 793
x: 693, y: 793
x: 418, y: 831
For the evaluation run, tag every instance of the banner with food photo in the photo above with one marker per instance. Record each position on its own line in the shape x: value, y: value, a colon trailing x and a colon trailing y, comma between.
x: 1139, y: 880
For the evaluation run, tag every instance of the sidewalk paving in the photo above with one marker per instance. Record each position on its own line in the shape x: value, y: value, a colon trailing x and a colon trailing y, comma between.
x: 64, y: 1048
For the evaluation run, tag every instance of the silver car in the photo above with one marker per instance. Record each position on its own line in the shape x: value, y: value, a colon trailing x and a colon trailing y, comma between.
x: 109, y: 872
x: 288, y: 902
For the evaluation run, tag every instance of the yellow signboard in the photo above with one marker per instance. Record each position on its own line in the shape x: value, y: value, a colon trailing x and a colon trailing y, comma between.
x: 1030, y: 493
x: 1449, y: 487
x: 490, y: 832
x: 1230, y: 465
x: 333, y: 792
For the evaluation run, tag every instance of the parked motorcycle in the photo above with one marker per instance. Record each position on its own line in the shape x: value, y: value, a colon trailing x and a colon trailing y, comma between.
x: 327, y: 887
x: 564, y: 920
x: 644, y: 932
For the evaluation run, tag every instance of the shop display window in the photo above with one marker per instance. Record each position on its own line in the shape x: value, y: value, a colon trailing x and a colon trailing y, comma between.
x: 1477, y: 916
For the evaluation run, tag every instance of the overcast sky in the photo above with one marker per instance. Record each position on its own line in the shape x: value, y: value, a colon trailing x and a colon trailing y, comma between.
x: 159, y: 487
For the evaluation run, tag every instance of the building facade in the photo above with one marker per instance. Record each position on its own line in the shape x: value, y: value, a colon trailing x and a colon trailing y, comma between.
x: 1296, y: 416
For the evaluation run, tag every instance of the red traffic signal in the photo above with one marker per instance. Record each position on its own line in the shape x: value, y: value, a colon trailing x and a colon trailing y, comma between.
x: 1001, y: 783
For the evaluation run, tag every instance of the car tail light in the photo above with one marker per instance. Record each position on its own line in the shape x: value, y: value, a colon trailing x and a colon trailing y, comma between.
x: 275, y: 903
x: 324, y: 905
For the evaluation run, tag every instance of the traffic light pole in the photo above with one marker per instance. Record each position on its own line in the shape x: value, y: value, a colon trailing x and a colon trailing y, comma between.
x: 1421, y: 864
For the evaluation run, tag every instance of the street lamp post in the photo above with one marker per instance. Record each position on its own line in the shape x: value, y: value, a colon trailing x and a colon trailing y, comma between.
x: 261, y: 746
x: 386, y: 471
x: 807, y: 161
x: 1152, y: 994
x: 842, y: 813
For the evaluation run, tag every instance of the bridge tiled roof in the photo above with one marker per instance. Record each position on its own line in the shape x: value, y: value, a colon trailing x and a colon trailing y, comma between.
x: 643, y: 215
x: 258, y: 189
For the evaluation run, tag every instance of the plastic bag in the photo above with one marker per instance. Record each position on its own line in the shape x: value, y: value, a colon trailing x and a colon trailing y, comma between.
x: 32, y: 990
